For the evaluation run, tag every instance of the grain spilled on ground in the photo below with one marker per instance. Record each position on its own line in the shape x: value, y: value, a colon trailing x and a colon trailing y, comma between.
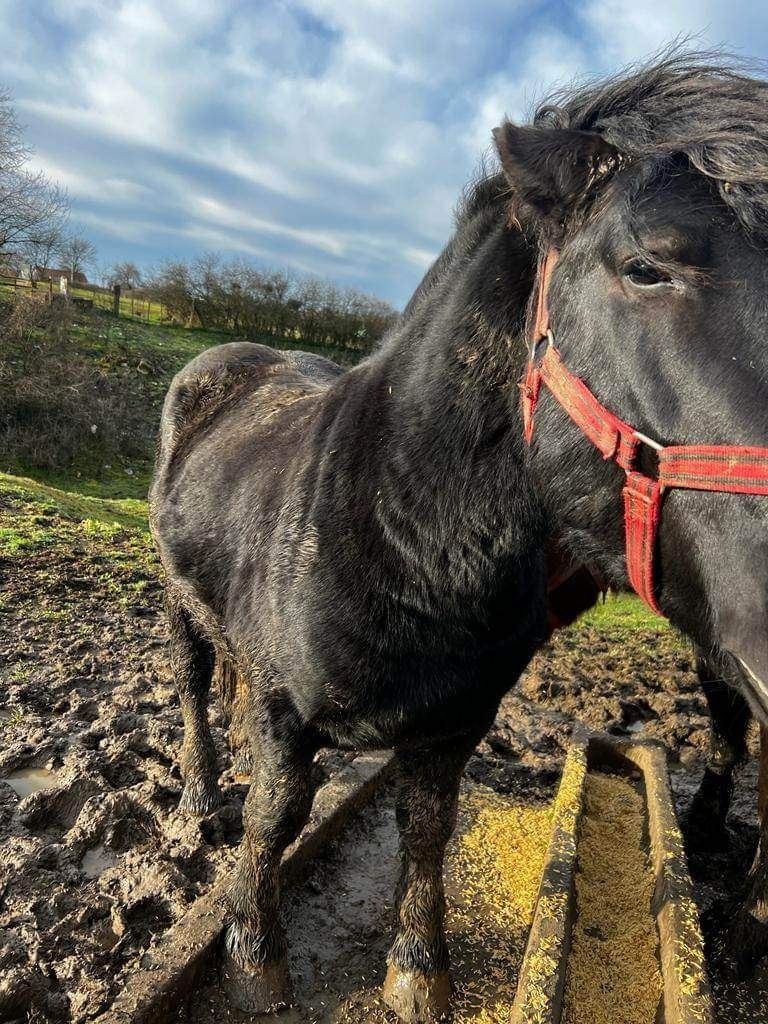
x: 613, y: 971
x: 498, y: 861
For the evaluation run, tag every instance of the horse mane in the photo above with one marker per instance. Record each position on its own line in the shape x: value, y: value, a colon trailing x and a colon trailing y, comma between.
x: 703, y: 106
x: 706, y: 107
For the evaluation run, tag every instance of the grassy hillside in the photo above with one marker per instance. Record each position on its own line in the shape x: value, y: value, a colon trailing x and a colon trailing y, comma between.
x: 80, y: 398
x: 84, y: 397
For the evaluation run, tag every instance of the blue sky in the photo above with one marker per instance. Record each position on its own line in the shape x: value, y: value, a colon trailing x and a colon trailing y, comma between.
x: 324, y: 136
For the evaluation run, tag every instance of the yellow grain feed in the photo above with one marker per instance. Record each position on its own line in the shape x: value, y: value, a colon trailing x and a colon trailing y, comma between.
x: 613, y: 970
x: 497, y: 862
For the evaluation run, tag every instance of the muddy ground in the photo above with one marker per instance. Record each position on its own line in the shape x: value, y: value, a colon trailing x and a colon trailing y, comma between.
x: 95, y: 864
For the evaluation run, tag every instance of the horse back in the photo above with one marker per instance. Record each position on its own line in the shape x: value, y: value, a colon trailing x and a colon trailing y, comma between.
x: 221, y: 377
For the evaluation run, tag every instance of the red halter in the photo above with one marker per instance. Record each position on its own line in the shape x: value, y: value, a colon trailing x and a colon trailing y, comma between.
x: 729, y: 468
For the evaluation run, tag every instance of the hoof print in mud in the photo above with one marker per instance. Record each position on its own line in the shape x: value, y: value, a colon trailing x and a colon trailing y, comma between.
x: 257, y: 989
x: 418, y: 998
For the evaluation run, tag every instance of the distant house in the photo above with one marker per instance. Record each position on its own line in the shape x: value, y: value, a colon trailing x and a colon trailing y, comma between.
x: 52, y: 274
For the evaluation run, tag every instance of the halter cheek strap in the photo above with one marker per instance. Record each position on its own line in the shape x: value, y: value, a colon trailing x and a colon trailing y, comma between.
x: 731, y: 469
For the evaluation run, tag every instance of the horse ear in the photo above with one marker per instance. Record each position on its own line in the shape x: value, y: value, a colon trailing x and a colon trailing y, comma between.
x: 552, y: 171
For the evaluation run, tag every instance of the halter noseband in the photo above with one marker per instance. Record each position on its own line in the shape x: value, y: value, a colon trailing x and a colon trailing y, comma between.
x: 729, y: 468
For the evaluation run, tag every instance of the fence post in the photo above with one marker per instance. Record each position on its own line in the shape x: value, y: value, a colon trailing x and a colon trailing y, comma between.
x: 116, y: 300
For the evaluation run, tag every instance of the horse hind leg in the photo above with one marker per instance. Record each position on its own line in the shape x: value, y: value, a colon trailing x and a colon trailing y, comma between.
x: 255, y: 970
x: 192, y: 662
x: 743, y: 941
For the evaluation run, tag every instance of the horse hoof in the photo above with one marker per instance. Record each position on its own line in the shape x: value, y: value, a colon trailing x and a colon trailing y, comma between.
x: 741, y: 947
x: 257, y: 989
x: 200, y: 797
x: 418, y: 998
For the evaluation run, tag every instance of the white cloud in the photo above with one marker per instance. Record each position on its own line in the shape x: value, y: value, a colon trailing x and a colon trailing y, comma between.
x: 551, y: 60
x: 325, y: 135
x: 84, y: 186
x: 624, y: 32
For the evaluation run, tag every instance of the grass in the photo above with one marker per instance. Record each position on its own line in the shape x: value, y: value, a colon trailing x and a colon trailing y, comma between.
x: 39, y: 501
x: 113, y: 341
x: 144, y: 309
x: 623, y: 614
x: 136, y: 361
x: 134, y: 307
x: 55, y: 540
x: 15, y: 718
x: 89, y: 519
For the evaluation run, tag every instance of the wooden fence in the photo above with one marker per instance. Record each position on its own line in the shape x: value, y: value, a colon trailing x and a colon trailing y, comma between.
x: 126, y: 303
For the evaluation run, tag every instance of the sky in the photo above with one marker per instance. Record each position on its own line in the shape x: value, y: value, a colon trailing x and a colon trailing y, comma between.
x: 329, y: 137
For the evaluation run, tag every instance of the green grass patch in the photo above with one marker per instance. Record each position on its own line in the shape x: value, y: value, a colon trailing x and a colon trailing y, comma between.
x: 14, y: 542
x: 621, y: 613
x: 60, y: 544
x: 99, y: 513
x: 99, y: 451
x: 19, y: 673
x: 16, y: 717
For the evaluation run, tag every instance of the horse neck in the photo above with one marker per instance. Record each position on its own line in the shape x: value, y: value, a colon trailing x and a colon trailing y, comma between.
x: 452, y: 478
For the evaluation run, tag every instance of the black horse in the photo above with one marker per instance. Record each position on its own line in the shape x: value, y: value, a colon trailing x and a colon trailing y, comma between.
x: 369, y: 547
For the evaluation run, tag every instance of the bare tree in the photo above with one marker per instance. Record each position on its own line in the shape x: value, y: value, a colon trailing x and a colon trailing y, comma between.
x: 38, y: 253
x: 32, y: 207
x: 76, y: 253
x: 127, y: 275
x: 255, y: 301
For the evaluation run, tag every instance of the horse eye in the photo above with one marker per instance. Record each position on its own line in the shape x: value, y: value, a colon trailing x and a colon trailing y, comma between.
x: 643, y: 275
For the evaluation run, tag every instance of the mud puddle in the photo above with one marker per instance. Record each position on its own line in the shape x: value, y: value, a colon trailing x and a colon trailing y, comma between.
x: 30, y: 780
x: 96, y: 861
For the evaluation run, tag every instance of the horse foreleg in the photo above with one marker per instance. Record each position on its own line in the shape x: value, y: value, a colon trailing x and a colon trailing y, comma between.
x: 745, y: 942
x: 730, y: 717
x: 255, y: 970
x: 192, y: 660
x: 418, y: 986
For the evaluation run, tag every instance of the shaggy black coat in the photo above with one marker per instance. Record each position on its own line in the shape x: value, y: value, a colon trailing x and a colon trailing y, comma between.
x: 369, y: 547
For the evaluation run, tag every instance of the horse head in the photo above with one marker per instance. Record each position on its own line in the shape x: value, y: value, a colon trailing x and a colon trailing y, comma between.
x: 653, y: 192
